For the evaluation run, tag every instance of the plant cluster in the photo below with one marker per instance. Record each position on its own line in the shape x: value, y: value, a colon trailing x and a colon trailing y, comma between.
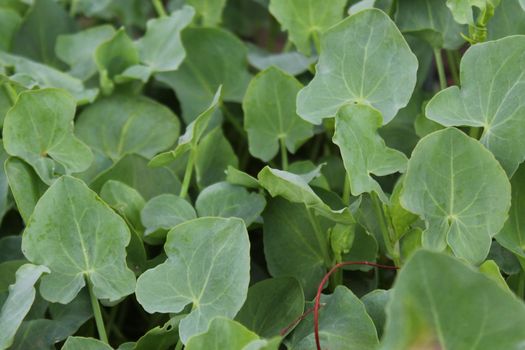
x: 262, y: 174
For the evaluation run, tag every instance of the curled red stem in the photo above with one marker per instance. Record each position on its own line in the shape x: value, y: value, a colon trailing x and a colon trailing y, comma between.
x: 321, y: 287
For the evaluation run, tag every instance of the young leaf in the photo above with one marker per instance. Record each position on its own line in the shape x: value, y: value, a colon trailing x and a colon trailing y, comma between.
x: 75, y: 343
x: 305, y: 20
x: 343, y: 324
x: 222, y: 334
x: 363, y: 151
x: 364, y: 59
x: 77, y: 49
x: 115, y: 126
x: 214, y: 57
x: 492, y: 84
x: 420, y: 315
x: 78, y: 237
x: 161, y: 47
x: 210, y: 11
x: 19, y: 301
x: 208, y: 267
x: 39, y: 130
x: 272, y: 305
x: 269, y: 114
x: 162, y: 213
x: 461, y: 191
x: 463, y: 11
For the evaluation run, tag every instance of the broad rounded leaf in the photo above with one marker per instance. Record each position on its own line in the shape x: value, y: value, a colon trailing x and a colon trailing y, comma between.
x: 364, y: 59
x: 270, y: 116
x: 208, y: 267
x: 306, y: 19
x: 39, y: 129
x: 461, y: 191
x: 225, y: 200
x: 491, y: 97
x: 222, y: 334
x: 123, y: 124
x: 77, y: 236
x: 363, y: 151
x: 474, y: 312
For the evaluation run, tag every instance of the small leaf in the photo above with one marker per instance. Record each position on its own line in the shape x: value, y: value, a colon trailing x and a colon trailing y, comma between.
x: 364, y: 59
x: 125, y: 200
x: 293, y: 63
x: 76, y: 343
x: 238, y: 177
x: 207, y: 267
x: 305, y: 20
x: 225, y: 200
x: 160, y: 338
x: 420, y: 315
x: 78, y: 236
x: 375, y: 304
x: 161, y: 48
x: 209, y: 11
x: 269, y: 114
x: 461, y: 192
x: 19, y: 301
x: 492, y: 83
x: 363, y: 151
x: 222, y: 334
x: 39, y: 129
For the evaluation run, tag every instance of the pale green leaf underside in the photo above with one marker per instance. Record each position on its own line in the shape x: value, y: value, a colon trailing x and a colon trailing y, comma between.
x: 270, y: 114
x: 363, y: 151
x: 460, y: 190
x: 39, y: 129
x: 490, y: 97
x: 19, y: 301
x: 207, y: 266
x: 77, y: 236
x: 439, y: 302
x: 364, y: 59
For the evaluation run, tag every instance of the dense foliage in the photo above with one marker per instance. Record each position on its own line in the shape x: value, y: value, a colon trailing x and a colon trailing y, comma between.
x: 262, y: 174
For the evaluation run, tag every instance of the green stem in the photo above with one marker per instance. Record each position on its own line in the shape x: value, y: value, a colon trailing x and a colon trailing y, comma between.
x: 11, y: 93
x: 288, y: 45
x: 321, y: 238
x: 187, y: 175
x: 346, y: 191
x: 317, y: 41
x: 441, y: 69
x: 284, y: 153
x: 453, y: 65
x: 159, y: 7
x: 179, y: 345
x: 383, y: 227
x: 97, y: 313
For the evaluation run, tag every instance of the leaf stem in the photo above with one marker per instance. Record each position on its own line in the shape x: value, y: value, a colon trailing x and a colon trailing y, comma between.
x: 284, y: 153
x: 159, y: 7
x: 383, y: 227
x: 317, y: 41
x: 187, y: 175
x: 453, y: 65
x: 97, y: 313
x: 440, y: 68
x: 346, y: 191
x: 179, y: 345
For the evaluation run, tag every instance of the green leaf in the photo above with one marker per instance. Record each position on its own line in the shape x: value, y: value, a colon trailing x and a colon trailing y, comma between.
x: 214, y: 57
x: 10, y: 21
x: 115, y: 126
x: 161, y: 47
x: 225, y: 200
x: 420, y: 315
x: 463, y: 11
x: 364, y: 59
x: 77, y: 50
x: 400, y: 218
x: 343, y: 324
x: 293, y: 246
x: 460, y: 190
x: 492, y: 83
x: 195, y: 131
x: 213, y: 155
x: 75, y: 343
x: 293, y: 63
x: 375, y: 304
x: 269, y: 114
x: 363, y: 151
x: 431, y: 20
x: 296, y: 189
x: 272, y: 305
x: 238, y: 177
x: 43, y: 23
x: 26, y: 187
x: 222, y: 334
x: 39, y: 129
x: 160, y: 338
x: 74, y: 233
x: 132, y: 170
x: 509, y: 19
x: 305, y: 20
x: 364, y: 248
x: 207, y: 267
x: 19, y: 301
x: 162, y: 213
x: 209, y: 11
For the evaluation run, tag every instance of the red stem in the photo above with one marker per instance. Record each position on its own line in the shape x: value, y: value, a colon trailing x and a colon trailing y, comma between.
x: 323, y: 282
